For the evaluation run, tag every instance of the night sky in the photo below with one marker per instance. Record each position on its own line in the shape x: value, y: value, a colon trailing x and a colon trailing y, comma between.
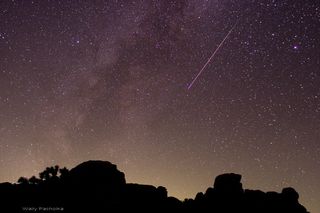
x: 108, y: 79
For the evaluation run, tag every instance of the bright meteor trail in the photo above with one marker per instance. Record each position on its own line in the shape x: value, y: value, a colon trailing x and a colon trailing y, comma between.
x: 214, y: 53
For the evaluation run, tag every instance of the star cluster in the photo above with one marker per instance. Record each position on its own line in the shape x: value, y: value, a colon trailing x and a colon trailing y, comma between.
x: 107, y: 79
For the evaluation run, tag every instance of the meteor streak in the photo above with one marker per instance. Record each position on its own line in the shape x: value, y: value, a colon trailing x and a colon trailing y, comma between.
x: 213, y: 54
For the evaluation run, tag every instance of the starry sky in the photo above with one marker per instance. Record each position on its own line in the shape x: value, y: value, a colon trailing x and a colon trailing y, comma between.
x: 108, y: 79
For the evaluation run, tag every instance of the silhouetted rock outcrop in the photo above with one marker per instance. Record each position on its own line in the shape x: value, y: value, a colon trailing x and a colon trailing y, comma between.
x: 97, y: 172
x: 98, y: 186
x: 228, y: 184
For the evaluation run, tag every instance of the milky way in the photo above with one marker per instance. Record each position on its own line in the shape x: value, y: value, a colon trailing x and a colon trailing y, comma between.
x: 107, y: 80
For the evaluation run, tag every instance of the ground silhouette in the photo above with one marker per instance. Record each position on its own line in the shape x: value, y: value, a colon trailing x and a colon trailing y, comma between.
x: 98, y: 186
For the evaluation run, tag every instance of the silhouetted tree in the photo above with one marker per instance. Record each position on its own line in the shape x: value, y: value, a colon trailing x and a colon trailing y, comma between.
x: 54, y: 171
x: 23, y: 180
x: 45, y: 175
x: 34, y: 180
x: 49, y: 173
x: 64, y: 172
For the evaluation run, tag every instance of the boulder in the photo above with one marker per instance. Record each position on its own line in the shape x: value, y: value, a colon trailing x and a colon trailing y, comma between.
x: 97, y: 173
x: 228, y: 184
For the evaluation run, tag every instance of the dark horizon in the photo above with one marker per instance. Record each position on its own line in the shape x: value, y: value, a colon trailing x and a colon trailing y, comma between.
x: 179, y: 90
x: 98, y: 186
